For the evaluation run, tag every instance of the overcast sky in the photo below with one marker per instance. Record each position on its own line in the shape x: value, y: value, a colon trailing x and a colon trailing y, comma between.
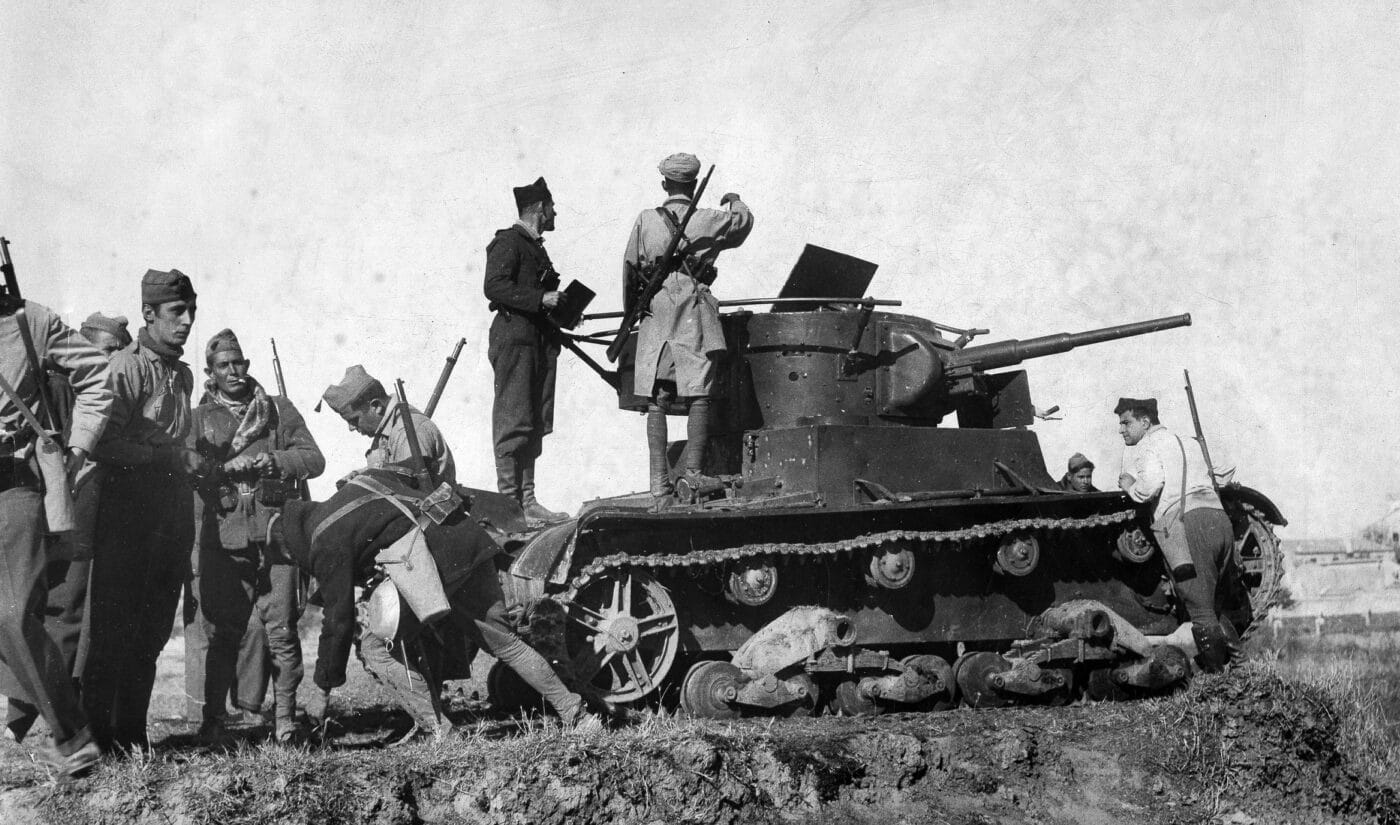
x: 329, y: 174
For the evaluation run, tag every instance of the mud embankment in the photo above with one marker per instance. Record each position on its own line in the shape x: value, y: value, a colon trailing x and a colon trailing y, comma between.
x: 1237, y: 749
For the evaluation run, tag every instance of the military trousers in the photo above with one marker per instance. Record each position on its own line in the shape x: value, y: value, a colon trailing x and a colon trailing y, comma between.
x: 522, y: 412
x: 35, y: 672
x: 141, y: 557
x: 1211, y: 540
x: 479, y: 616
x: 241, y: 620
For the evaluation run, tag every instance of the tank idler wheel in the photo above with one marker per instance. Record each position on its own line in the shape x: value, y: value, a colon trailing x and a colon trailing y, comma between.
x: 709, y: 690
x: 1018, y: 555
x: 973, y: 673
x: 622, y: 635
x: 751, y: 583
x: 937, y: 670
x: 847, y: 700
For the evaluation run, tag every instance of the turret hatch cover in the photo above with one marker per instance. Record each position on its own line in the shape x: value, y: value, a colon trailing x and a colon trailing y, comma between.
x: 824, y: 273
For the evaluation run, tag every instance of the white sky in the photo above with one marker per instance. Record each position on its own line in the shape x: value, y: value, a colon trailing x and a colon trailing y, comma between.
x: 329, y: 174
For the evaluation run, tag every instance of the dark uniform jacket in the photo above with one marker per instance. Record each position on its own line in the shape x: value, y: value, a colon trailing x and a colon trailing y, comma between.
x: 225, y: 515
x: 515, y: 266
x: 343, y: 553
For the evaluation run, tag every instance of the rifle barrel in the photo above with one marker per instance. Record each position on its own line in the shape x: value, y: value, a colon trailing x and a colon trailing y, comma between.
x: 659, y: 276
x: 410, y: 432
x: 442, y: 378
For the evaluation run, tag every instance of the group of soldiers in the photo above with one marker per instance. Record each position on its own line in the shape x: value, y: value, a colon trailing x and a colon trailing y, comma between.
x: 208, y: 500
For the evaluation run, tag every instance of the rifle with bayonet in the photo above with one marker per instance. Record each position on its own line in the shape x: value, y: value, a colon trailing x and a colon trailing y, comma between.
x: 302, y: 486
x: 657, y: 276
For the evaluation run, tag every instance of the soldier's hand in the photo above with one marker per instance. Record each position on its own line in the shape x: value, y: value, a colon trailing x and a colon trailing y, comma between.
x: 1126, y: 481
x: 184, y: 460
x: 238, y: 464
x: 265, y: 463
x: 73, y: 462
x: 729, y: 196
x: 551, y: 299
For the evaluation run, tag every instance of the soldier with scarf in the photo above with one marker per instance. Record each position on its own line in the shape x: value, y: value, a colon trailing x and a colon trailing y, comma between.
x: 237, y: 599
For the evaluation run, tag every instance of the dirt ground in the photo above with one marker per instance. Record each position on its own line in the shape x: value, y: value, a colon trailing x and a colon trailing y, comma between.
x: 1245, y: 747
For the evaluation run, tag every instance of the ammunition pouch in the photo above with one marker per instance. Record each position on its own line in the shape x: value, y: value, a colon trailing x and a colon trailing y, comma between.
x: 440, y: 504
x: 704, y: 273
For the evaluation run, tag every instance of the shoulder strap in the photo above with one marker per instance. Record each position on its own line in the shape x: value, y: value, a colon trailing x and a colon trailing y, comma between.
x: 377, y: 491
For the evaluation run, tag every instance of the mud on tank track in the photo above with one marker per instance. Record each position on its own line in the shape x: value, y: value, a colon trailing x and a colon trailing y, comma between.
x: 1239, y: 747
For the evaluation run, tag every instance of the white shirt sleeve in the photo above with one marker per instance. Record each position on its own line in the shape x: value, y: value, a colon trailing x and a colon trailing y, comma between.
x: 1151, y: 472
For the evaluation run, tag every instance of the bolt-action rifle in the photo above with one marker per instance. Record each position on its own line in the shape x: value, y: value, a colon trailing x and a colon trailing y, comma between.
x: 442, y: 378
x: 1200, y: 434
x: 658, y: 275
x: 302, y: 487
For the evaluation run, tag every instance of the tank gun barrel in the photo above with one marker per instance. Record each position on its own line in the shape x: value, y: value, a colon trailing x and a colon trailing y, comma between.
x: 1008, y: 353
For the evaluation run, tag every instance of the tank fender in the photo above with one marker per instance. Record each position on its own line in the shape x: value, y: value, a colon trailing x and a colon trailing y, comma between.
x: 792, y: 637
x: 543, y: 552
x: 1236, y: 492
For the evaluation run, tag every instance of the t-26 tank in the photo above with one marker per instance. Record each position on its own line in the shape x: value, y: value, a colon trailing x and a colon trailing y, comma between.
x: 863, y: 552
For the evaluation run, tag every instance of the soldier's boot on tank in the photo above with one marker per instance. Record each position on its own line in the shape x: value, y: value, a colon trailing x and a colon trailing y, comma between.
x: 697, y: 438
x: 1215, y: 646
x: 534, y: 511
x: 662, y: 491
x: 508, y: 477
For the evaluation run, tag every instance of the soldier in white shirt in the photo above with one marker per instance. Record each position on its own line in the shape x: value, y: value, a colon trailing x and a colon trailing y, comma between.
x: 1189, y: 522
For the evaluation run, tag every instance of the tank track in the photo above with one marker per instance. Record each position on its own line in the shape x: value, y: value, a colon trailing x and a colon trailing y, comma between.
x: 791, y: 550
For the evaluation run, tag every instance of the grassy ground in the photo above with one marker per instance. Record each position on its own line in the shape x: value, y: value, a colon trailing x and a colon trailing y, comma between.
x: 1361, y: 673
x: 1306, y: 732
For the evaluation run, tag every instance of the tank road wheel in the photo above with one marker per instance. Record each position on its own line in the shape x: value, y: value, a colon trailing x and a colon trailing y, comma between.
x: 709, y: 690
x: 752, y: 583
x: 936, y: 669
x: 1018, y: 555
x: 622, y: 634
x: 847, y: 700
x: 807, y: 706
x: 891, y: 568
x: 973, y: 673
x: 1260, y: 561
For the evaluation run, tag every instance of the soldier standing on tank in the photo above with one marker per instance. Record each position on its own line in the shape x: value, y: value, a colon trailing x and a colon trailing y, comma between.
x: 680, y: 335
x: 1160, y: 468
x: 522, y: 286
x: 258, y: 447
x: 145, y: 515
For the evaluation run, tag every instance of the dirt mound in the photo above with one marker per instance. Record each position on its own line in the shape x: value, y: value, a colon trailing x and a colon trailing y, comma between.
x: 1244, y: 747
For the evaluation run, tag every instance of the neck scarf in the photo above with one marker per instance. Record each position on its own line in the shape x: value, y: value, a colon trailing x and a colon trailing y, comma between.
x: 253, y: 413
x: 164, y: 351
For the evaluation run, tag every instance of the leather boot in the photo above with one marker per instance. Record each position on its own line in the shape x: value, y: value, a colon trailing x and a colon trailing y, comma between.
x: 534, y: 511
x: 697, y: 438
x: 508, y: 477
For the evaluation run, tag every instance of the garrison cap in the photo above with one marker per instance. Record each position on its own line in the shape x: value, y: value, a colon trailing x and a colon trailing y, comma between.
x: 355, y: 386
x: 223, y: 341
x: 682, y: 167
x: 1126, y: 404
x: 1079, y: 461
x: 537, y: 192
x: 162, y: 287
x: 114, y: 325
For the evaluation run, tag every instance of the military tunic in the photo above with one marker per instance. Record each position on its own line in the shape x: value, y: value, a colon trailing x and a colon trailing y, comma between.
x: 237, y: 606
x: 145, y: 528
x: 523, y: 349
x: 391, y: 447
x: 35, y: 672
x: 683, y: 327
